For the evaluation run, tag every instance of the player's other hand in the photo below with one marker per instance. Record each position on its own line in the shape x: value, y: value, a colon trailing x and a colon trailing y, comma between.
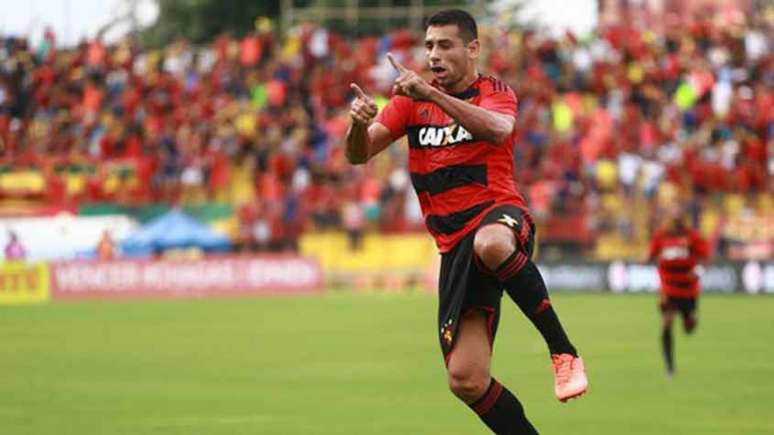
x: 409, y: 83
x: 698, y: 271
x: 363, y: 108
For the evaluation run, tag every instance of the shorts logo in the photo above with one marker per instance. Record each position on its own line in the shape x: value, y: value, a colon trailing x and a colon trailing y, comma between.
x: 508, y: 220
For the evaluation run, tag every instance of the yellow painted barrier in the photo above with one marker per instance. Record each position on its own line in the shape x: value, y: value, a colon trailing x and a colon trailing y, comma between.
x: 385, y: 262
x: 377, y: 252
x: 22, y: 283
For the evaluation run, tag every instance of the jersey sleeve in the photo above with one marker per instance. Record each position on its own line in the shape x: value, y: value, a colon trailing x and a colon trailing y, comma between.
x: 501, y: 99
x: 395, y: 115
x: 699, y: 246
x: 655, y: 247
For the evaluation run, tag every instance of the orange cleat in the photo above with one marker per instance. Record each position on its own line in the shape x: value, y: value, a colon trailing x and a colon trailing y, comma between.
x: 569, y: 376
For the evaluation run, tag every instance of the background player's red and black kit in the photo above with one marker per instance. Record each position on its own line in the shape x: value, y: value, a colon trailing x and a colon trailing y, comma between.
x: 678, y: 254
x: 462, y: 183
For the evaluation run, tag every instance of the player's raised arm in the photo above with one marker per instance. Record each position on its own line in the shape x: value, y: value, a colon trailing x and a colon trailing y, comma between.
x: 482, y: 123
x: 365, y: 138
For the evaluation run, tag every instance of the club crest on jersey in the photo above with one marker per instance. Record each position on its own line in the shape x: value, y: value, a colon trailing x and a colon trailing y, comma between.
x: 435, y: 136
x: 447, y: 332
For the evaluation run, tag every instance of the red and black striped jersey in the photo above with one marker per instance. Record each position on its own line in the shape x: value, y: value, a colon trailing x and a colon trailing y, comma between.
x: 457, y: 177
x: 677, y: 255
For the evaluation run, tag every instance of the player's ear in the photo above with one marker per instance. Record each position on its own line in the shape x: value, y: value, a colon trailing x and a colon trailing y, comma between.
x: 474, y: 49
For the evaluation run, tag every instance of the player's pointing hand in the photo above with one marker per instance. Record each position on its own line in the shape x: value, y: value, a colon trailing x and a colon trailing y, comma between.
x: 409, y: 83
x: 397, y: 65
x: 363, y: 108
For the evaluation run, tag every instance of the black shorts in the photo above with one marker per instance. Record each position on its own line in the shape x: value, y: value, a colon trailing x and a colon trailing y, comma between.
x: 686, y: 306
x: 465, y: 284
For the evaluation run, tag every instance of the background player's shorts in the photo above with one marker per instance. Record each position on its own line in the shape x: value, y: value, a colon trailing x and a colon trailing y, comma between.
x: 686, y: 306
x: 464, y: 283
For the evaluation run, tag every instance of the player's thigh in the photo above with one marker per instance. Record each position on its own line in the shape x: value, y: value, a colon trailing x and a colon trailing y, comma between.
x: 667, y: 318
x: 667, y: 312
x: 471, y: 358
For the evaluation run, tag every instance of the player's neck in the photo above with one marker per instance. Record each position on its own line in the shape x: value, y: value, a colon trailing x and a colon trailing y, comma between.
x: 462, y: 85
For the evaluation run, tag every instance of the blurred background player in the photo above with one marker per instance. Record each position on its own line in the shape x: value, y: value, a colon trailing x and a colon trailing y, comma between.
x: 460, y: 131
x: 679, y: 251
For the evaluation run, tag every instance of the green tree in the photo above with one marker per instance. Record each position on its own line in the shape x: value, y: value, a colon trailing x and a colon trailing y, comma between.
x: 201, y: 20
x: 374, y: 17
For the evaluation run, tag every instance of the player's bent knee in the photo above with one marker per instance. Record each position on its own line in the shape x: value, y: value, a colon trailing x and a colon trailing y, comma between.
x: 468, y: 385
x: 690, y: 325
x: 493, y: 244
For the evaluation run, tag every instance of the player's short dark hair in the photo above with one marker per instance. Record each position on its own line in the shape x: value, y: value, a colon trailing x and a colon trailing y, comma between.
x: 463, y: 20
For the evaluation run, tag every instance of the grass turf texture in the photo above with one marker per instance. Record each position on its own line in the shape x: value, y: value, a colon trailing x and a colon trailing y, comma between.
x: 368, y: 364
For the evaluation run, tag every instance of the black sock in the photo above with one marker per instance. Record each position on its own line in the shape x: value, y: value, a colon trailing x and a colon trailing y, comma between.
x: 524, y: 284
x: 666, y: 346
x: 502, y: 412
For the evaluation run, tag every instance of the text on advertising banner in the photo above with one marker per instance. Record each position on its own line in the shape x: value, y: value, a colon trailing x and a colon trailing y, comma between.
x: 209, y: 277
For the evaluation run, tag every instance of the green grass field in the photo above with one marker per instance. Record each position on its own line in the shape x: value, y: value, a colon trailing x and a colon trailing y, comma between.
x: 368, y: 364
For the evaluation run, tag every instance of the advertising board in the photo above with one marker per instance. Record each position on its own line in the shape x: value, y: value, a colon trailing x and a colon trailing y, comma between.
x: 207, y: 277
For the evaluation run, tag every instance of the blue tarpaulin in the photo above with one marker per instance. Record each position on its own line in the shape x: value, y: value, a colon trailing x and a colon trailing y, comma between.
x: 173, y: 230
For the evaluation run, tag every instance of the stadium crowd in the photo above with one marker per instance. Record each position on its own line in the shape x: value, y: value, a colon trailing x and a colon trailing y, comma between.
x: 620, y: 119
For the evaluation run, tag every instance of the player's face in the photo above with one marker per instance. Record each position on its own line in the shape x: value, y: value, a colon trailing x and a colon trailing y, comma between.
x: 676, y: 224
x: 451, y: 59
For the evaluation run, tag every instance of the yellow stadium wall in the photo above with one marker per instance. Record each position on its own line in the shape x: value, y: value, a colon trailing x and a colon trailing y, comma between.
x: 383, y: 261
x: 22, y: 283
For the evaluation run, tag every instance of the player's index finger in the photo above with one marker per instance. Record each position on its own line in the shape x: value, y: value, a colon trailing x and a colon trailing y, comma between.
x: 359, y: 92
x: 395, y: 64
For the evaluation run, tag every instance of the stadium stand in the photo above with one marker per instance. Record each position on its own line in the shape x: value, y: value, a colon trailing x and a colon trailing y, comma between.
x: 612, y: 129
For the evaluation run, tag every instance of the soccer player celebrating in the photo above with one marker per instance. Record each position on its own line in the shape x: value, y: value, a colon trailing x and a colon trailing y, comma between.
x: 460, y: 130
x: 679, y: 250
